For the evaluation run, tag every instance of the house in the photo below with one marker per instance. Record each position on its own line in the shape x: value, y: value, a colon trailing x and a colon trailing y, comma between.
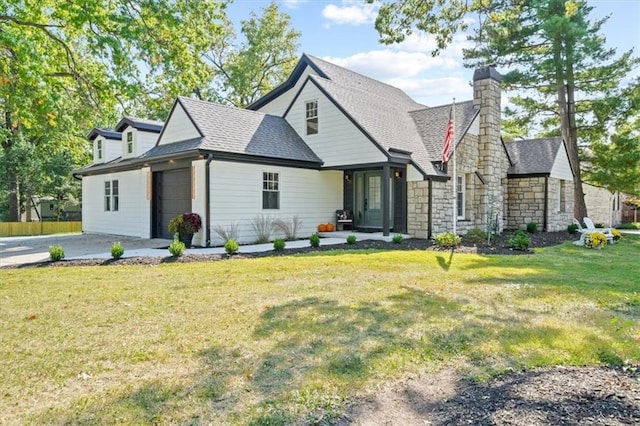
x: 326, y: 139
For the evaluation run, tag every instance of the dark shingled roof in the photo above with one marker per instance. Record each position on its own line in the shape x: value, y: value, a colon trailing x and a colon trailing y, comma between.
x: 240, y: 131
x: 140, y: 123
x: 533, y: 156
x: 432, y: 125
x: 107, y: 133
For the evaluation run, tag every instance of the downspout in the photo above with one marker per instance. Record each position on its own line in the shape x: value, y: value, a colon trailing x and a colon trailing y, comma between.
x: 429, y: 210
x: 207, y: 200
x: 545, y: 216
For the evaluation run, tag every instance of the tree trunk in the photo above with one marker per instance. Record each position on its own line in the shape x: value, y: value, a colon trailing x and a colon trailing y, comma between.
x: 14, y: 198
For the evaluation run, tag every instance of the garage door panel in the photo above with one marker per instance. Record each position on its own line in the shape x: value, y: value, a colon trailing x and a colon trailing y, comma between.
x: 173, y: 197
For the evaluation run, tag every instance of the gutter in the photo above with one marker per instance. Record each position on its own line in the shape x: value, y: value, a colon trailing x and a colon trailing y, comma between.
x: 207, y: 200
x: 545, y: 216
x: 430, y: 210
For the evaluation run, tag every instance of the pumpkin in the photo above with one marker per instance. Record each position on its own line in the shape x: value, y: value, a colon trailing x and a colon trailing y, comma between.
x: 322, y: 227
x: 329, y: 227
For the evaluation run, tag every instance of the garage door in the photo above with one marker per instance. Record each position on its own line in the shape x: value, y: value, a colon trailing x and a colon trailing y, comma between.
x: 172, y: 191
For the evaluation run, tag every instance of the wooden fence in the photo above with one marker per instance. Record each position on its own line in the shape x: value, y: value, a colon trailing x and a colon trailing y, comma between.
x: 15, y: 229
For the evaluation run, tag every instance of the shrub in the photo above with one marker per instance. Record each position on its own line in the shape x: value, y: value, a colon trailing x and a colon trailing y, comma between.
x: 263, y: 227
x: 289, y: 229
x: 56, y: 253
x: 572, y: 228
x: 595, y: 240
x: 314, y: 240
x: 532, y: 227
x: 117, y: 251
x: 186, y: 223
x: 599, y: 225
x: 630, y: 225
x: 279, y: 244
x: 226, y: 233
x: 177, y: 247
x: 397, y: 239
x: 231, y: 247
x: 351, y: 239
x: 447, y: 239
x: 476, y: 236
x: 519, y: 241
x: 616, y: 234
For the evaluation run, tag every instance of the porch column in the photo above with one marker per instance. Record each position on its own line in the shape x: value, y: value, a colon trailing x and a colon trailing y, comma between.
x: 386, y: 199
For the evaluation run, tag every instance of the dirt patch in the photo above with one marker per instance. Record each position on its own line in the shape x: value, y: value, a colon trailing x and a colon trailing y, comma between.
x: 499, y: 246
x: 550, y: 396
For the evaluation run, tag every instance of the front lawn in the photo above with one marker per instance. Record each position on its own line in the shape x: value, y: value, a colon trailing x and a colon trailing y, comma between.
x: 290, y: 339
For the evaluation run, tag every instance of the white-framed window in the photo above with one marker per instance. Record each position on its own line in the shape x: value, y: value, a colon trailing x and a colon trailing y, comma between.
x: 460, y: 195
x: 129, y: 142
x: 270, y: 191
x: 311, y: 114
x: 111, y: 196
x: 562, y: 196
x: 99, y: 148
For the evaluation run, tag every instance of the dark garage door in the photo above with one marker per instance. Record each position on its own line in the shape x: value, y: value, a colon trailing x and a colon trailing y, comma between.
x: 172, y: 196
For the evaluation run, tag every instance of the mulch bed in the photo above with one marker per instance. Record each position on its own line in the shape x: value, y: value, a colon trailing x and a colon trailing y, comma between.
x: 541, y: 239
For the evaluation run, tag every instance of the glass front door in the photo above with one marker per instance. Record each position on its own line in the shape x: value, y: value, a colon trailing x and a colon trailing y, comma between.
x: 368, y: 199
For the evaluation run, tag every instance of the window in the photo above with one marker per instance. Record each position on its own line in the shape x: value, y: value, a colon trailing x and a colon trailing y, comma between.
x: 111, y: 201
x: 562, y: 197
x: 270, y: 191
x: 129, y: 142
x: 460, y: 196
x: 99, y: 143
x: 107, y: 196
x: 311, y: 108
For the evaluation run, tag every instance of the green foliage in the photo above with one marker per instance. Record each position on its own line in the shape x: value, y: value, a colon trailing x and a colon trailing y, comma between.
x: 117, y: 251
x: 476, y: 236
x: 630, y: 225
x: 56, y: 253
x: 447, y: 239
x: 186, y: 223
x: 231, y: 247
x: 279, y: 244
x: 314, y: 240
x: 572, y: 228
x: 351, y: 239
x: 599, y: 225
x: 519, y: 240
x: 532, y: 227
x: 177, y: 247
x: 397, y: 239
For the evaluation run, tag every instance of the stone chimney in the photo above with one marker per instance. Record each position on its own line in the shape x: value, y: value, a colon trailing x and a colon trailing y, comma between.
x: 492, y: 160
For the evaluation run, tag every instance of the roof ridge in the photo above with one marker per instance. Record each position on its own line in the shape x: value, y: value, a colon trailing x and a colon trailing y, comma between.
x: 231, y: 107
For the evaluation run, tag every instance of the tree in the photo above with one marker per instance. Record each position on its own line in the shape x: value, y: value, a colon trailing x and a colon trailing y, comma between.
x: 564, y: 76
x: 66, y: 67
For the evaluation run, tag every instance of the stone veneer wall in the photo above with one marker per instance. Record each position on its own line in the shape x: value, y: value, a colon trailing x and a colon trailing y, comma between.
x: 526, y: 203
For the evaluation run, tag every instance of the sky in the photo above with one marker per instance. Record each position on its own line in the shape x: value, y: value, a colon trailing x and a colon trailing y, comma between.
x: 342, y: 32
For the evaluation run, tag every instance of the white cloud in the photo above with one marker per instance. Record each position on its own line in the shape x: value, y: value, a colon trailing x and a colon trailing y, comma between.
x: 292, y: 4
x: 350, y: 13
x: 434, y: 91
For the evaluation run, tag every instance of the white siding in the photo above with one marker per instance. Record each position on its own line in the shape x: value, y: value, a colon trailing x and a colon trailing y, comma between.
x: 178, y: 127
x: 561, y: 168
x: 413, y: 175
x: 236, y: 196
x: 279, y: 105
x: 198, y: 195
x: 338, y: 141
x: 144, y: 141
x: 112, y: 149
x: 133, y: 217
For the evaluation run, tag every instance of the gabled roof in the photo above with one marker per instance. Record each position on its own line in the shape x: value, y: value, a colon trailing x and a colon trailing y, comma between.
x: 238, y: 131
x: 106, y: 133
x: 140, y: 123
x: 533, y: 156
x: 432, y: 124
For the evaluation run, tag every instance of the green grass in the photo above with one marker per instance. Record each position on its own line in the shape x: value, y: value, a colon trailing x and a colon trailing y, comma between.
x: 289, y: 339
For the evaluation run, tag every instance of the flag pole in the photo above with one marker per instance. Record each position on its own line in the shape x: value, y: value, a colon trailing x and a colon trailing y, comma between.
x: 453, y: 154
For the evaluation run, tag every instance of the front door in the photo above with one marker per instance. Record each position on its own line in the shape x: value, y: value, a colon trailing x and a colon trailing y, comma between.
x: 368, y: 199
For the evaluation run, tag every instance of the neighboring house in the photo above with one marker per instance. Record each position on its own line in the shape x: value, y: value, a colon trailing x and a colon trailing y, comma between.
x: 604, y: 206
x: 326, y: 139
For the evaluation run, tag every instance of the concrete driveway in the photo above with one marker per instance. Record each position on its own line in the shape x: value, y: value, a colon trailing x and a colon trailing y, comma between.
x: 21, y: 250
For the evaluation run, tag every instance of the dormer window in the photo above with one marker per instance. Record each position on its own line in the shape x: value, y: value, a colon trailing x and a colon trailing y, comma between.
x: 311, y: 108
x: 99, y: 149
x: 129, y: 142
